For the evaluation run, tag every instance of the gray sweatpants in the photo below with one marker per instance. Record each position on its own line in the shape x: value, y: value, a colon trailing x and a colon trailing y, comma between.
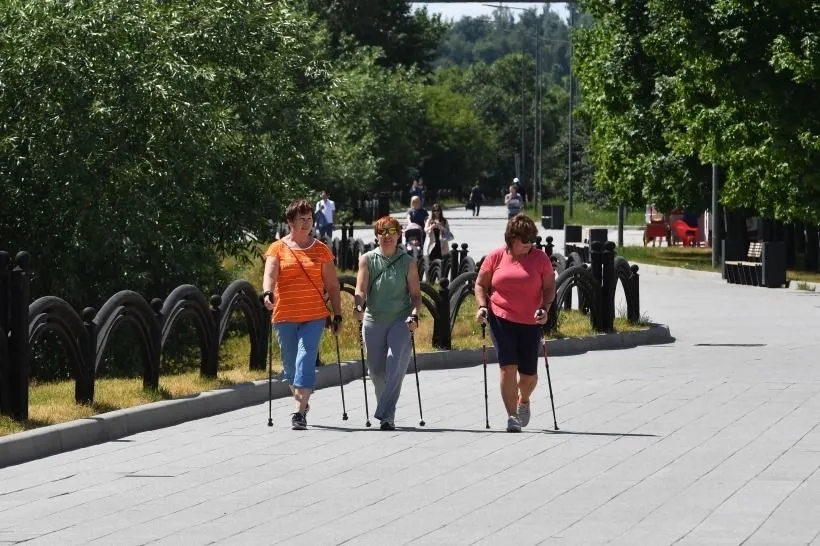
x: 388, y: 355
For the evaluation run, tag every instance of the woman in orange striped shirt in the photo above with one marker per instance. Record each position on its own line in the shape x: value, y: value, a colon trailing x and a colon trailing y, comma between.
x: 298, y: 271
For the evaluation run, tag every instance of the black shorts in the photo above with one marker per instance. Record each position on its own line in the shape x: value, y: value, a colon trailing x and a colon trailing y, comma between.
x: 516, y: 344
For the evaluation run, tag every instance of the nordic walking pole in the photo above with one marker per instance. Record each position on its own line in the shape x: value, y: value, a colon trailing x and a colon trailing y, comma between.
x: 270, y: 375
x: 364, y: 376
x: 416, y: 367
x: 484, y: 354
x: 549, y: 384
x: 341, y: 382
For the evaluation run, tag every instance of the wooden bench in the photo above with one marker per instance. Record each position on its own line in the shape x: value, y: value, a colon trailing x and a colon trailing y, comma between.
x: 748, y: 271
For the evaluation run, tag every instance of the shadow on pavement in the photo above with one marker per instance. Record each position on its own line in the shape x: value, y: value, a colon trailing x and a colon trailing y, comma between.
x: 578, y: 433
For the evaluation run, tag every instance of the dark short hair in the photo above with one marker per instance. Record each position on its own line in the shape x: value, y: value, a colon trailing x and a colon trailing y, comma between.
x: 520, y: 227
x: 297, y: 207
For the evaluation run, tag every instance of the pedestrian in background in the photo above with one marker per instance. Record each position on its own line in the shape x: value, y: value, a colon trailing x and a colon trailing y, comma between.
x: 476, y: 198
x: 325, y: 210
x: 514, y: 201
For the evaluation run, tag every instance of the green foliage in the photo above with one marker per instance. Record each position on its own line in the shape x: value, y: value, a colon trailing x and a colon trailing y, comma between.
x: 408, y: 38
x: 671, y: 86
x: 458, y: 146
x: 140, y: 141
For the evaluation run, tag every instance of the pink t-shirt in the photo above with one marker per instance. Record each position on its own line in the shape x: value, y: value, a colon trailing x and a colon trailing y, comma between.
x: 517, y: 285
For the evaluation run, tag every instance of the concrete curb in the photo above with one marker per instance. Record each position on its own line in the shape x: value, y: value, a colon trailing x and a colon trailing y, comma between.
x: 54, y: 439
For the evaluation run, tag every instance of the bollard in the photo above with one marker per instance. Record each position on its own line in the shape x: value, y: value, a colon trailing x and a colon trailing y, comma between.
x: 549, y: 247
x: 84, y: 393
x: 596, y: 257
x: 5, y: 364
x: 442, y: 338
x: 608, y: 282
x: 537, y: 243
x: 18, y: 376
x: 634, y: 311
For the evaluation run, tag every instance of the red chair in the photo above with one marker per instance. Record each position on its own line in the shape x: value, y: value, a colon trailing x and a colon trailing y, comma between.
x: 653, y: 231
x: 688, y: 235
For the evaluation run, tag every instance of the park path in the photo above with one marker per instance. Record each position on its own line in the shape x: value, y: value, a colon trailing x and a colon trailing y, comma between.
x: 711, y: 440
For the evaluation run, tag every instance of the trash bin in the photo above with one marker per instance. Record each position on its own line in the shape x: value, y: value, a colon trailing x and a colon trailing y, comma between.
x: 557, y: 214
x: 383, y: 206
x: 598, y: 234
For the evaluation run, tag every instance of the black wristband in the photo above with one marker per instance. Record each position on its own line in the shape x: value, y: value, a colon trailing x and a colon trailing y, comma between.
x: 267, y: 294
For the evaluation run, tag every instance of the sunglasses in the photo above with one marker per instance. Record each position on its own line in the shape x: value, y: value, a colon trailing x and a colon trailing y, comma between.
x: 387, y: 232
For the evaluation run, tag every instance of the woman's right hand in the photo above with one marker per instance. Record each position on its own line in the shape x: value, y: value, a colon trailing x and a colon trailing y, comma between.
x: 267, y: 299
x: 481, y: 315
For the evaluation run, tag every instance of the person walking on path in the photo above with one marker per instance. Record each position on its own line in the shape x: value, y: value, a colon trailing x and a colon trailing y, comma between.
x: 438, y: 233
x: 514, y: 201
x: 325, y: 209
x: 387, y: 303
x: 417, y: 215
x: 299, y: 269
x: 476, y: 198
x: 514, y: 290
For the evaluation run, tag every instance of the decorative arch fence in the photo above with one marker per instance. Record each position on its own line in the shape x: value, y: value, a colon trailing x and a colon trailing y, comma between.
x: 86, y: 336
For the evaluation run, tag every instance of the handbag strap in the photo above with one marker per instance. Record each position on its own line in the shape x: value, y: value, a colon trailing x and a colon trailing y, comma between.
x: 298, y: 261
x: 388, y: 266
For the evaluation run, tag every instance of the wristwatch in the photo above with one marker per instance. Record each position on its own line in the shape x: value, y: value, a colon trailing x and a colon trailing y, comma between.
x: 267, y: 294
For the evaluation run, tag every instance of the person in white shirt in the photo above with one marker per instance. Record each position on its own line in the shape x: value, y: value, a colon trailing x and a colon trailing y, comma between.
x: 325, y: 208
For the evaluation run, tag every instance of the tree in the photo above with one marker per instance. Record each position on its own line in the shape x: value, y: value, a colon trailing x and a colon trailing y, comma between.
x: 141, y: 142
x: 407, y: 38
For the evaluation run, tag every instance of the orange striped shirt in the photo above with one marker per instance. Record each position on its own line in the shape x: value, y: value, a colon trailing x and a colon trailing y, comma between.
x: 297, y: 298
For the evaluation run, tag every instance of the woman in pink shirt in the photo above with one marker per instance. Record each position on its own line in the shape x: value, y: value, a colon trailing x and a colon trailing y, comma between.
x: 514, y: 290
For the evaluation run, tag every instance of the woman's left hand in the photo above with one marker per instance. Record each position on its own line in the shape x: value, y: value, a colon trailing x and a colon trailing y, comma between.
x: 412, y: 322
x: 541, y: 316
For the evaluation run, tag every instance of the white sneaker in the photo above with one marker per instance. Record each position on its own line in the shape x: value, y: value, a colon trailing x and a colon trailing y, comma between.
x: 513, y: 424
x: 524, y: 414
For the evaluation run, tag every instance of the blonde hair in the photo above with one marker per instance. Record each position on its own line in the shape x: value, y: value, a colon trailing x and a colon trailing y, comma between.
x: 415, y: 199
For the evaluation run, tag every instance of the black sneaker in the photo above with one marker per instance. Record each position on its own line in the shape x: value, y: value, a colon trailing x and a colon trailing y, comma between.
x: 387, y: 425
x: 298, y: 421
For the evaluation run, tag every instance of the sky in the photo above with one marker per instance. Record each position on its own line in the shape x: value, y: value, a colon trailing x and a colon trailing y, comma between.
x: 474, y: 9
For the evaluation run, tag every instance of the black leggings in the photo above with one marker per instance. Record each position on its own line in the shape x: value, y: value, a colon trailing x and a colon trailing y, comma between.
x: 516, y: 344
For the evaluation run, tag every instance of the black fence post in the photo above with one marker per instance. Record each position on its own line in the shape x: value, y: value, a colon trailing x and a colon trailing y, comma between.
x: 85, y: 390
x: 443, y: 323
x: 18, y: 336
x: 344, y: 246
x: 211, y: 367
x: 596, y: 258
x: 635, y: 314
x: 538, y: 244
x: 608, y: 281
x: 5, y: 365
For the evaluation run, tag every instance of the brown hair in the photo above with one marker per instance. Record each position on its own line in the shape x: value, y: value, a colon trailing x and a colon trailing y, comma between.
x: 386, y: 222
x: 520, y: 227
x: 296, y: 208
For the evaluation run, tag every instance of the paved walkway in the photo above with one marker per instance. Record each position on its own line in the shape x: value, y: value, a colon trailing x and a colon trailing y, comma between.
x: 711, y: 440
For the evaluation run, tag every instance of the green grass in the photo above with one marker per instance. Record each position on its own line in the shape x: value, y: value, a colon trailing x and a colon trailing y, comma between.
x: 586, y: 214
x: 698, y: 259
